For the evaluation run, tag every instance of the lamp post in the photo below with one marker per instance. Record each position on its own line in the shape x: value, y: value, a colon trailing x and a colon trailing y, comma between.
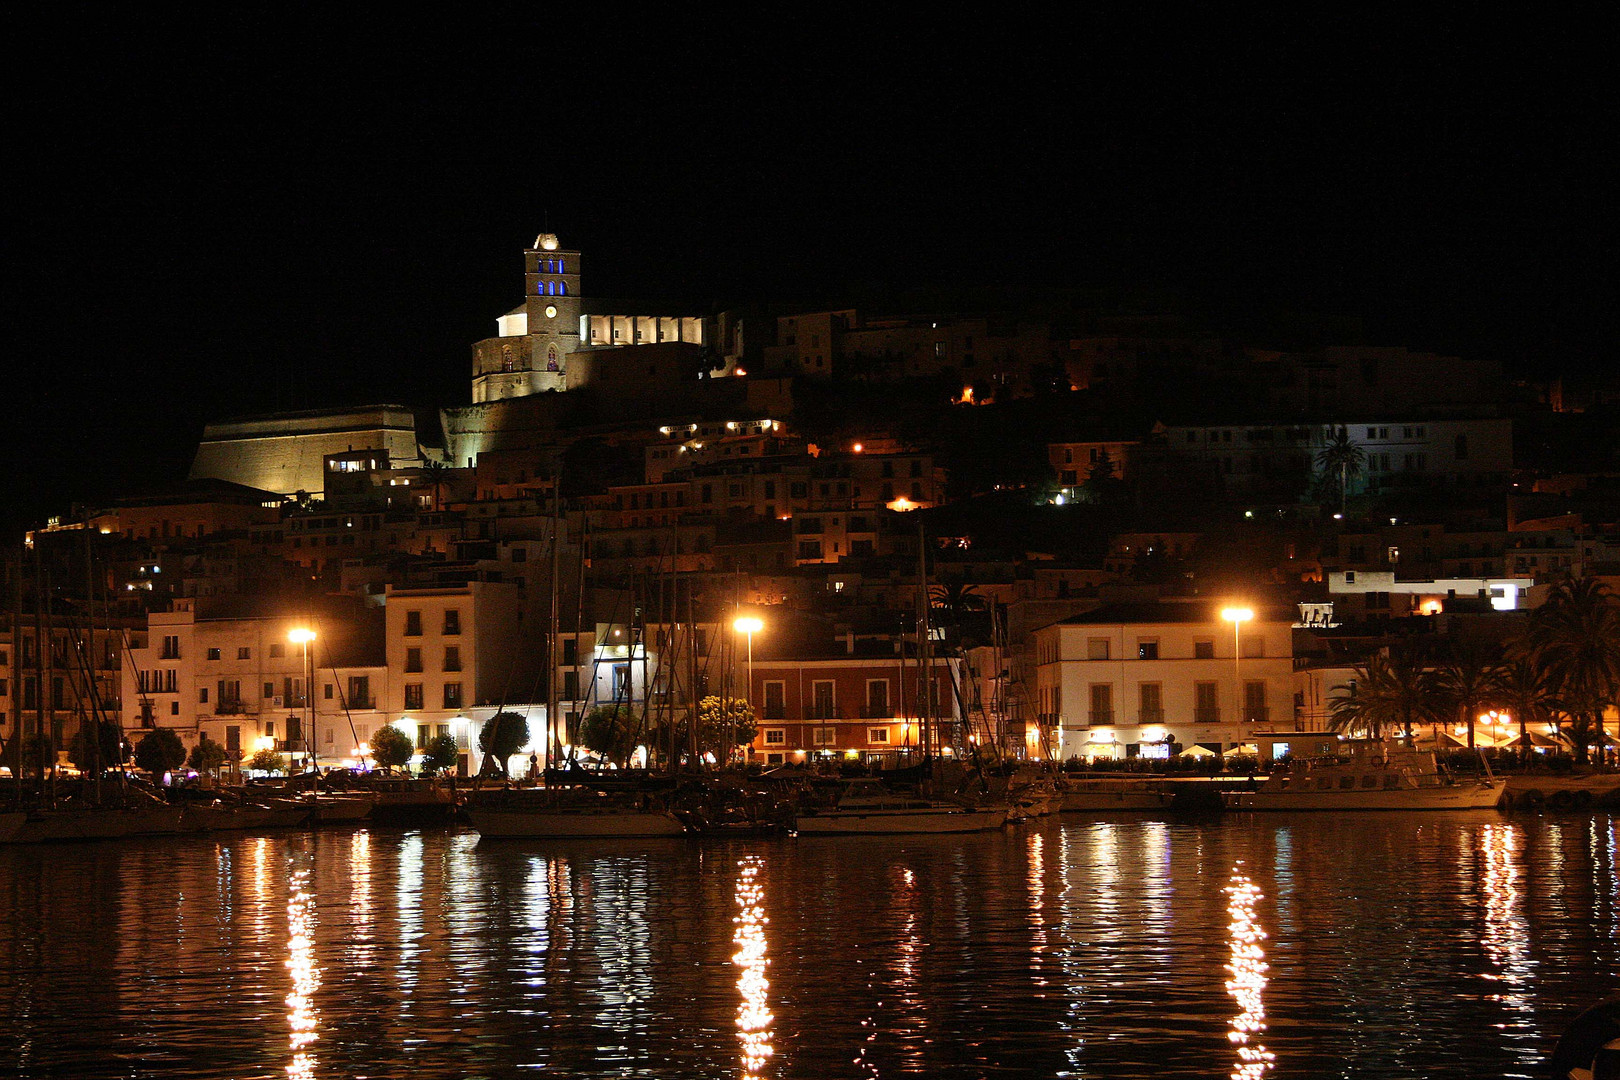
x: 303, y: 636
x: 1237, y: 616
x: 749, y: 626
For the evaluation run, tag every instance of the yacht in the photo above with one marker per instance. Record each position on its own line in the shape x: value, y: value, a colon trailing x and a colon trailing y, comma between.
x: 560, y: 814
x: 867, y: 807
x: 1090, y: 794
x: 1374, y: 776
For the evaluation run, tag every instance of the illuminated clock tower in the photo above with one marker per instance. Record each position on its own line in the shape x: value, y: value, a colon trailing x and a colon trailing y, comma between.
x: 531, y: 352
x: 551, y: 285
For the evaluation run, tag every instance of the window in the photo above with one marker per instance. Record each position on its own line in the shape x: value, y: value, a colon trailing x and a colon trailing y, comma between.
x: 452, y: 695
x: 452, y: 658
x: 1102, y: 703
x: 413, y: 624
x: 277, y: 649
x: 413, y: 659
x: 1203, y: 650
x: 823, y: 736
x: 1147, y: 649
x: 1150, y: 703
x: 244, y: 653
x: 1205, y: 709
x: 269, y: 690
x: 452, y: 621
x: 1097, y: 648
x: 822, y: 707
x: 877, y: 697
x: 775, y: 700
x: 1254, y: 645
x: 213, y: 654
x: 878, y: 735
x: 202, y: 695
x: 360, y: 692
x: 327, y: 693
x: 171, y: 648
x: 775, y: 736
x: 413, y: 696
x: 1460, y: 448
x: 1254, y: 701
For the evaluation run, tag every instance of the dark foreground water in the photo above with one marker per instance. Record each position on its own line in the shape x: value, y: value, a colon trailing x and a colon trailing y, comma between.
x: 1359, y: 945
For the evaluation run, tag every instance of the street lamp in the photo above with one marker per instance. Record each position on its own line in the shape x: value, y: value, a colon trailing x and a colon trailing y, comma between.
x: 1237, y: 616
x: 303, y: 636
x: 750, y: 626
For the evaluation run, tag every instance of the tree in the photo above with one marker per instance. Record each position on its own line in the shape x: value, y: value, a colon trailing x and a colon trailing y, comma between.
x: 37, y: 757
x: 112, y: 745
x: 503, y: 735
x: 727, y: 723
x: 440, y: 754
x: 391, y: 748
x: 1343, y: 458
x: 1523, y: 689
x: 266, y: 760
x: 433, y: 475
x: 1389, y: 694
x: 1469, y: 680
x: 609, y: 731
x: 159, y: 751
x: 1575, y: 637
x: 1102, y: 481
x: 207, y: 756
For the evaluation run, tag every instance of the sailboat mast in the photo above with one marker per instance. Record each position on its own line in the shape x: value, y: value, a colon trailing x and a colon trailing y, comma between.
x: 554, y: 743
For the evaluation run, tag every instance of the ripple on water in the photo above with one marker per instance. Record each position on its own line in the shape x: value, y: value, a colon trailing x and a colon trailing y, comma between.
x: 1387, y: 945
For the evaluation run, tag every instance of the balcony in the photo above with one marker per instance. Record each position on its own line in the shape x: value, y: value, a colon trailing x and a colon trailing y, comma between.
x: 823, y: 712
x: 1210, y: 715
x: 1101, y: 716
x: 229, y: 708
x: 365, y: 701
x: 875, y: 712
x: 1256, y: 714
x: 1150, y: 716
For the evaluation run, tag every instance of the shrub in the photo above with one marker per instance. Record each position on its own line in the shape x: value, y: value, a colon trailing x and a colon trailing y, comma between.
x: 391, y: 748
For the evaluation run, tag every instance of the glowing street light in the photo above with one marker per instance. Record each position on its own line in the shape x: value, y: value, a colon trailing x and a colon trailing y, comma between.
x: 749, y: 625
x: 1237, y: 616
x: 303, y: 636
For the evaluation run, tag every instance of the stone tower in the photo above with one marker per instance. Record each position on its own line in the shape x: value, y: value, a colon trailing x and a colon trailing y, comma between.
x: 532, y: 350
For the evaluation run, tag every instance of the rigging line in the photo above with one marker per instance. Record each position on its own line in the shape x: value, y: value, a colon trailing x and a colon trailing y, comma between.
x: 343, y: 699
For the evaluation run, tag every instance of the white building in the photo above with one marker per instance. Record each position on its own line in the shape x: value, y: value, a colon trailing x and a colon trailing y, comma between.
x: 241, y: 680
x: 1133, y: 680
x: 458, y: 654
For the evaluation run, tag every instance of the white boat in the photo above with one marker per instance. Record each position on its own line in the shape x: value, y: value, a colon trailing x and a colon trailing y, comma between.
x: 866, y: 807
x: 562, y: 814
x: 1115, y: 793
x: 1374, y: 776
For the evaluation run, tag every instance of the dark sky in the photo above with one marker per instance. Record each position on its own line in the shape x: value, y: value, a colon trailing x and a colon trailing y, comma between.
x: 256, y: 210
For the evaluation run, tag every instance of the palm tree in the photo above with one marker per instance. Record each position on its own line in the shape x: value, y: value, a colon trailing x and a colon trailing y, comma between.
x: 1341, y: 456
x: 1392, y: 693
x: 433, y: 472
x: 1575, y: 637
x: 1523, y: 689
x: 1468, y: 681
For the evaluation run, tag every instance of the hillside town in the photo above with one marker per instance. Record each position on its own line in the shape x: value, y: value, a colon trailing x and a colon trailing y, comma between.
x: 1006, y: 528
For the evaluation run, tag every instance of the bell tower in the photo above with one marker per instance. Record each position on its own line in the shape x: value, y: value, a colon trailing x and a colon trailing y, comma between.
x: 551, y: 289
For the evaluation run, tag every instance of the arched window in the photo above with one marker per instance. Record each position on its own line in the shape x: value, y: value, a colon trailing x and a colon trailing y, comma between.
x: 551, y: 358
x: 562, y: 288
x: 560, y: 269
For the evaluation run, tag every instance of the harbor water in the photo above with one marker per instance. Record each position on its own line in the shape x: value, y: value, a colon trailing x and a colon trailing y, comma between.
x: 1354, y: 945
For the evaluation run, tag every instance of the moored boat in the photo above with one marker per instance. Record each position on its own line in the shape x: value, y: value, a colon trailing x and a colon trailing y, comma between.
x: 1115, y: 793
x: 1374, y: 776
x: 554, y: 814
x: 866, y: 807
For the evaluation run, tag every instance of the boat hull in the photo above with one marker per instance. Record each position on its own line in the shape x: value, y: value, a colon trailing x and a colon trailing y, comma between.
x: 1460, y: 797
x: 892, y: 822
x: 565, y: 824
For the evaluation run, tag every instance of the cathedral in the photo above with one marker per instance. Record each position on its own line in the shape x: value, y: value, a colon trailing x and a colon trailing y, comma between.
x: 539, y: 345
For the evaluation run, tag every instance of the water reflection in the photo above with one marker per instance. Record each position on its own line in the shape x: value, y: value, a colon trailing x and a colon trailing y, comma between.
x: 1248, y: 982
x: 754, y: 1013
x: 306, y: 975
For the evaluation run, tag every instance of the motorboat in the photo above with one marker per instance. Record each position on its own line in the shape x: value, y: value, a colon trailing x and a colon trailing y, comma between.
x: 866, y: 807
x: 1372, y: 776
x: 1092, y: 795
x: 569, y: 813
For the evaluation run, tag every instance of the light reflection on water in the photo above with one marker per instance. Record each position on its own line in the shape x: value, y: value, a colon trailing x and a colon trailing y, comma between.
x: 1378, y: 946
x: 1247, y: 983
x: 754, y: 1012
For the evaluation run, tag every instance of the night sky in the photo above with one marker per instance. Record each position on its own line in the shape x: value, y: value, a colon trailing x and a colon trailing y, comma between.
x: 258, y: 211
